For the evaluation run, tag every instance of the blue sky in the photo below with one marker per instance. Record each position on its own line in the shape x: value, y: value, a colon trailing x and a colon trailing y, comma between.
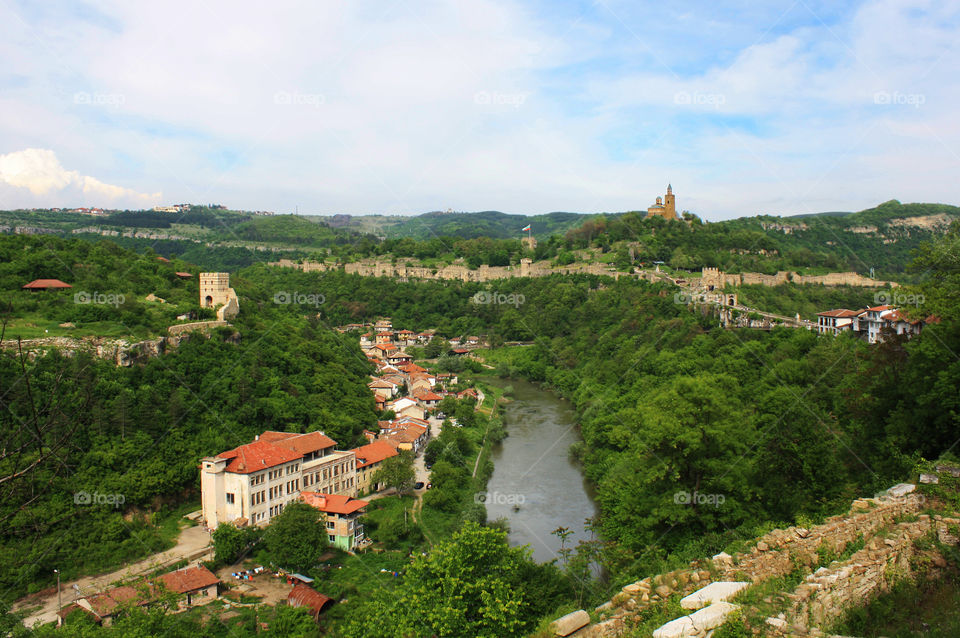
x: 526, y: 107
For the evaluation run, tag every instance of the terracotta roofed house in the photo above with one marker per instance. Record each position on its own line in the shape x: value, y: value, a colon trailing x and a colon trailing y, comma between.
x: 46, y: 284
x: 835, y: 321
x: 193, y: 582
x: 369, y: 458
x: 343, y: 529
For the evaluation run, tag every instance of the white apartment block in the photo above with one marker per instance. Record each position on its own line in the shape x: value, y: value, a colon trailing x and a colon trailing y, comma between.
x: 251, y: 484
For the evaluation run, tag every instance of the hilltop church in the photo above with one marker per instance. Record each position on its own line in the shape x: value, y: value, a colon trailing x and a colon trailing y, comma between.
x: 665, y: 207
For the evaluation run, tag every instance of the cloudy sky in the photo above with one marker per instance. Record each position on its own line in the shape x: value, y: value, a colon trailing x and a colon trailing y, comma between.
x: 526, y: 107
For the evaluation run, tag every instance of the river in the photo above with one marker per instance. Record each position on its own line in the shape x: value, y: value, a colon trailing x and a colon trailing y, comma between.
x: 533, y: 472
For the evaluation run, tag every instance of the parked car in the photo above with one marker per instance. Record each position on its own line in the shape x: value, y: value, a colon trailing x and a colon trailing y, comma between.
x: 418, y: 485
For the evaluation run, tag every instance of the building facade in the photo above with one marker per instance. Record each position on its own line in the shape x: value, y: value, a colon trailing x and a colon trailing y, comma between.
x: 251, y: 484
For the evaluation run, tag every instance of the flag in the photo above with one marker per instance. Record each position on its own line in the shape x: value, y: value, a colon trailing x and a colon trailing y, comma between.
x: 525, y: 228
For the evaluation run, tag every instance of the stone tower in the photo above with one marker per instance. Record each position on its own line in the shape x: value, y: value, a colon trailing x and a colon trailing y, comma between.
x: 670, y: 203
x: 214, y: 289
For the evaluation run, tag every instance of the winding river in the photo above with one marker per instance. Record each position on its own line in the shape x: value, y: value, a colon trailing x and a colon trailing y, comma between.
x: 535, y: 485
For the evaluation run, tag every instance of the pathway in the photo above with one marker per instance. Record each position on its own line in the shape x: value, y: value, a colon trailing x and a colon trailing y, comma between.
x: 192, y: 544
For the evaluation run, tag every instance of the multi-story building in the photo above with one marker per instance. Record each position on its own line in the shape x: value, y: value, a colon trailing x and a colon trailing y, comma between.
x: 251, y: 484
x: 343, y: 529
x: 369, y: 459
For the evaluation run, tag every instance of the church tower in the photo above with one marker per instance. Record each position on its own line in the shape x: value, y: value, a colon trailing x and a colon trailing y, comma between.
x: 670, y: 203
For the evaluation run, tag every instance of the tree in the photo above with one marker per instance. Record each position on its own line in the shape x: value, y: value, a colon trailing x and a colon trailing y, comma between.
x: 396, y: 472
x: 296, y: 537
x: 230, y: 542
x: 470, y: 585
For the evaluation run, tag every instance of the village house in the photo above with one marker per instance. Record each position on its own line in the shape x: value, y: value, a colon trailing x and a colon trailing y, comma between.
x: 833, y: 322
x: 344, y: 531
x: 252, y: 483
x: 407, y: 435
x: 428, y: 399
x: 406, y: 407
x: 398, y: 358
x: 384, y: 388
x: 381, y: 350
x: 369, y: 459
x: 192, y: 584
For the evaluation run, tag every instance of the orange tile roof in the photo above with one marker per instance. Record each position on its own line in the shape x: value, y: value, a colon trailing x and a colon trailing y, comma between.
x: 878, y: 308
x: 428, y: 396
x: 257, y: 456
x: 840, y: 312
x: 188, y: 579
x: 373, y: 453
x: 104, y: 604
x: 299, y: 443
x: 44, y: 284
x: 333, y: 503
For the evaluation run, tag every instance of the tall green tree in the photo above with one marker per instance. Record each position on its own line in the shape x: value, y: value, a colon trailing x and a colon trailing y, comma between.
x: 297, y: 537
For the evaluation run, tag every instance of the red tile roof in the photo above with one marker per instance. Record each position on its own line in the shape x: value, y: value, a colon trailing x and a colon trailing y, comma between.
x: 428, y: 396
x: 189, y: 579
x: 257, y: 456
x: 373, y: 453
x: 104, y: 604
x: 333, y: 503
x: 880, y: 308
x: 44, y: 284
x: 299, y: 443
x: 840, y: 312
x: 183, y: 274
x: 305, y: 596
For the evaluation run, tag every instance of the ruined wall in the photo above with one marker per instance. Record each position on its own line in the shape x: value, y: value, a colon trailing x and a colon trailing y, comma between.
x: 825, y: 593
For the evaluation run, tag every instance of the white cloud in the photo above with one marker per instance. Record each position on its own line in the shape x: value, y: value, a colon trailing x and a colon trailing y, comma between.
x: 39, y: 171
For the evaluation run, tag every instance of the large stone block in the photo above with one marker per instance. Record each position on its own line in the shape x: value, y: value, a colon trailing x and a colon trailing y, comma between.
x: 714, y: 592
x: 570, y: 623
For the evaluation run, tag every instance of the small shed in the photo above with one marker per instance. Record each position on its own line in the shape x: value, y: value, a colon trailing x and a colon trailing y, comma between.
x: 305, y: 596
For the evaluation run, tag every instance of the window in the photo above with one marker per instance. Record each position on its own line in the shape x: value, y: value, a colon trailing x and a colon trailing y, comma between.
x: 329, y: 524
x: 230, y: 498
x: 330, y: 536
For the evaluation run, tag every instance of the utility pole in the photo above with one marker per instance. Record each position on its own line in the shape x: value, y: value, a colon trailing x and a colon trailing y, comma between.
x: 59, y: 602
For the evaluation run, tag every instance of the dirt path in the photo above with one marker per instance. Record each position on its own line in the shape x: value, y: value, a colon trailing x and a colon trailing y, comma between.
x: 192, y: 544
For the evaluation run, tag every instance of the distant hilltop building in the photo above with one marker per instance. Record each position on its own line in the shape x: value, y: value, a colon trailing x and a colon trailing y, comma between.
x: 665, y: 207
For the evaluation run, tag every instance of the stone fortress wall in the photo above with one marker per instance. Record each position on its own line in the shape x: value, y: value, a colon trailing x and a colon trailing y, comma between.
x: 711, y: 277
x: 888, y: 526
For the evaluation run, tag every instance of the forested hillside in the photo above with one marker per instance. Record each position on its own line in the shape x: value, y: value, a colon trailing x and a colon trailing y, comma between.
x: 81, y: 424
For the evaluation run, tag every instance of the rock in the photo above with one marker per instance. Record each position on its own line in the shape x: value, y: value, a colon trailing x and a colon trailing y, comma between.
x: 939, y: 561
x: 604, y: 607
x: 712, y: 593
x: 713, y: 616
x: 929, y: 479
x: 802, y: 532
x: 949, y: 469
x: 762, y: 546
x: 67, y: 324
x: 570, y: 623
x: 723, y: 557
x: 694, y: 577
x: 777, y: 623
x: 901, y: 489
x: 631, y: 590
x: 645, y: 598
x: 679, y: 628
x: 663, y: 591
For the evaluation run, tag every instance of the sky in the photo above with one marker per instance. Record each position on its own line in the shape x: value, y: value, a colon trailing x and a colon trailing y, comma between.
x: 384, y: 107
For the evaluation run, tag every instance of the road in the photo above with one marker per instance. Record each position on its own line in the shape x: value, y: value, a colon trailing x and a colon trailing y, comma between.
x: 191, y: 544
